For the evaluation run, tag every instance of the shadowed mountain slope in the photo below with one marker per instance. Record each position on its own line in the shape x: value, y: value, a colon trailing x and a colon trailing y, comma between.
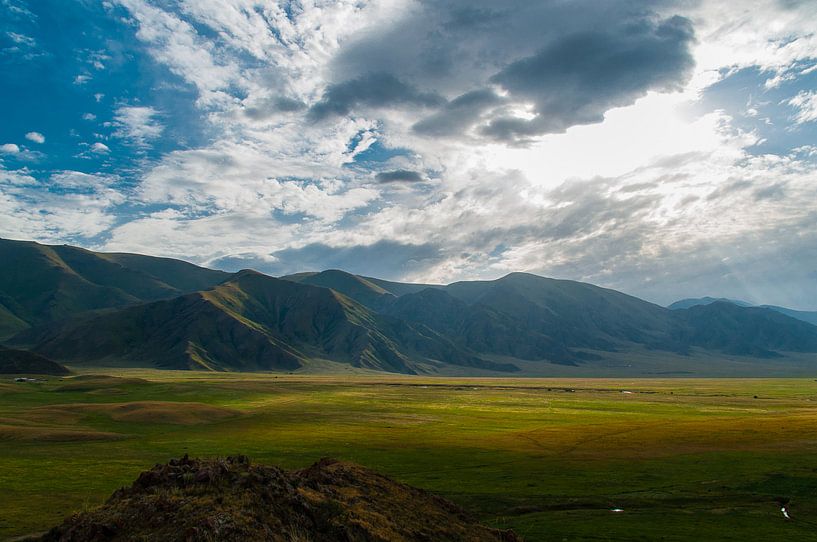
x: 23, y: 362
x: 805, y: 316
x: 232, y: 500
x: 251, y: 322
x: 754, y: 331
x: 358, y: 288
x: 531, y: 317
x: 123, y: 308
x: 695, y: 301
x: 42, y: 283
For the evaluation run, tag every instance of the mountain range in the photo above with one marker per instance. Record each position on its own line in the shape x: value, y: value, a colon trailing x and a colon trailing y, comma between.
x: 805, y: 316
x: 87, y: 308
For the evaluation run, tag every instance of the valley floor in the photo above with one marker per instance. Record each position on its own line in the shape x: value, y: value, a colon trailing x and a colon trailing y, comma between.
x: 679, y: 459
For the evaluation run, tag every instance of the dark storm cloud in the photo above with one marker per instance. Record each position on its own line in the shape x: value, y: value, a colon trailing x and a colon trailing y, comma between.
x: 459, y: 114
x: 399, y: 175
x: 374, y: 90
x: 569, y: 61
x: 576, y: 79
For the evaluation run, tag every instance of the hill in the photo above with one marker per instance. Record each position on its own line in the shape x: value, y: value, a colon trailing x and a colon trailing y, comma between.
x: 530, y: 317
x: 43, y: 283
x: 754, y: 331
x: 362, y: 290
x: 90, y: 308
x: 251, y: 322
x: 804, y: 316
x: 23, y: 362
x: 234, y: 500
x: 695, y: 301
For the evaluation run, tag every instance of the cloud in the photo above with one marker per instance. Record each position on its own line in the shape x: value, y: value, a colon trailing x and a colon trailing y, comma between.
x: 287, y: 136
x: 175, y: 43
x: 9, y: 148
x: 22, y: 39
x: 575, y: 80
x: 370, y: 90
x: 399, y: 175
x: 64, y: 206
x: 806, y: 104
x: 138, y: 124
x: 36, y: 137
x: 459, y: 114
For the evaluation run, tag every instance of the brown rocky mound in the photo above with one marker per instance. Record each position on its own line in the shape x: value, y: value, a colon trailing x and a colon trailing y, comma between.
x: 232, y: 500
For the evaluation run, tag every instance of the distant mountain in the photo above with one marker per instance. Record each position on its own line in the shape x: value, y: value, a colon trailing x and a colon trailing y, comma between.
x: 251, y: 322
x: 362, y: 290
x: 401, y: 288
x: 82, y: 307
x: 805, y: 316
x: 43, y: 283
x: 23, y: 362
x: 534, y: 318
x: 752, y: 331
x: 695, y: 301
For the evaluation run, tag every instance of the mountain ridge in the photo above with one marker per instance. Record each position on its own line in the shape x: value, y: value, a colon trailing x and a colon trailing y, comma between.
x: 83, y: 307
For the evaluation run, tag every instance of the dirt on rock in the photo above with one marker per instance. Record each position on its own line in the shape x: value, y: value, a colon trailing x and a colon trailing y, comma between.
x: 234, y: 500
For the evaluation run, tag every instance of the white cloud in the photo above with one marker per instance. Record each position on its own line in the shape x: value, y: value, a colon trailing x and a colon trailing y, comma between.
x: 67, y: 205
x: 175, y: 43
x: 89, y: 117
x: 806, y: 104
x: 36, y: 137
x: 9, y: 148
x: 138, y: 124
x: 21, y: 39
x: 652, y: 198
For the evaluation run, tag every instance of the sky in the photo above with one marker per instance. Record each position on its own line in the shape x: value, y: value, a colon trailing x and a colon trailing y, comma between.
x: 667, y: 149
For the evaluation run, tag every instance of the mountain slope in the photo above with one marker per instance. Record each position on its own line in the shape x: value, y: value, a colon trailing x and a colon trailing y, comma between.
x: 251, y: 322
x: 42, y: 283
x: 23, y: 362
x: 804, y: 316
x: 754, y: 331
x: 400, y: 288
x: 358, y: 288
x: 535, y: 318
x: 695, y: 301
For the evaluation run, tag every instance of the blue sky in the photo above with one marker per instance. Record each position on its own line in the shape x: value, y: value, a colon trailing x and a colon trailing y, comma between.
x: 667, y: 149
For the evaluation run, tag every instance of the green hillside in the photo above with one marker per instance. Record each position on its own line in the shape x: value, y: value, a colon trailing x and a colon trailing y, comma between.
x: 362, y: 290
x: 251, y: 322
x: 42, y: 283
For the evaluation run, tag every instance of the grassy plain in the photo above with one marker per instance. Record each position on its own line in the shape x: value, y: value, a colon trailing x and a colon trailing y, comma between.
x: 685, y: 459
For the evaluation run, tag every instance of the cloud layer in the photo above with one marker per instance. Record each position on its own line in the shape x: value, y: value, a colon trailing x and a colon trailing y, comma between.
x: 660, y: 147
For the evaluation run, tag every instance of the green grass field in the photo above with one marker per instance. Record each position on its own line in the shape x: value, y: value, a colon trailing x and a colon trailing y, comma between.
x: 685, y: 459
